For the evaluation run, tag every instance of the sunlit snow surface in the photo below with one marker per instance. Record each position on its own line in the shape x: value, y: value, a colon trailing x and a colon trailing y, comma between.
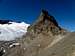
x: 12, y: 31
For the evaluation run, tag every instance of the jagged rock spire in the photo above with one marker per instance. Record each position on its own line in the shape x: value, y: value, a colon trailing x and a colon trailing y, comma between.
x: 44, y: 16
x: 46, y: 22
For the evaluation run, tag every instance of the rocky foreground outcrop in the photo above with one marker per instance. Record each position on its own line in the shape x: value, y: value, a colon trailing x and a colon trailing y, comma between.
x: 44, y: 38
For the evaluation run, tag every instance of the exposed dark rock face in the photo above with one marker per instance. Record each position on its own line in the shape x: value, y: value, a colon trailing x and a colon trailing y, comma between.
x: 46, y: 23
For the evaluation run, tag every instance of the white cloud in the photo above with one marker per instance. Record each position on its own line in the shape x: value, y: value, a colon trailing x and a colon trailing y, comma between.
x: 11, y: 31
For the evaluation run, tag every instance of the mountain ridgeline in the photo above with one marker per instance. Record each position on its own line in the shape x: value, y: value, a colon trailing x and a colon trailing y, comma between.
x: 5, y: 21
x: 43, y: 38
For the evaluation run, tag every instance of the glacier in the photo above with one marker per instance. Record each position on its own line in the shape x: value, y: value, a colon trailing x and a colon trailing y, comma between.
x: 12, y: 31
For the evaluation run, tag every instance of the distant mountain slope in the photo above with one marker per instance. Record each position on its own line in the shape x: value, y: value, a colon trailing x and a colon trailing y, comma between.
x: 64, y: 47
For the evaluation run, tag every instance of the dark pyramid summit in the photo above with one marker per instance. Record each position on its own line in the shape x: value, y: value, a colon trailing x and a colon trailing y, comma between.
x: 46, y: 22
x: 49, y: 17
x: 46, y: 18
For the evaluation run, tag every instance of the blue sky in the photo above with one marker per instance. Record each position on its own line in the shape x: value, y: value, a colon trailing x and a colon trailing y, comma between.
x: 29, y: 10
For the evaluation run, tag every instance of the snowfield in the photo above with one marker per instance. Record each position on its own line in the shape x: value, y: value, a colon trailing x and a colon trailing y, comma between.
x: 12, y: 31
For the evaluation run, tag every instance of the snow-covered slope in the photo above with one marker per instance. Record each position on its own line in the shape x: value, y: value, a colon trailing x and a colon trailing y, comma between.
x: 11, y: 31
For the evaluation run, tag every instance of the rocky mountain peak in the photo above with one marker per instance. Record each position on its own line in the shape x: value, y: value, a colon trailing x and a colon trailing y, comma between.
x: 43, y: 38
x: 44, y: 12
x: 46, y: 18
x: 46, y: 23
